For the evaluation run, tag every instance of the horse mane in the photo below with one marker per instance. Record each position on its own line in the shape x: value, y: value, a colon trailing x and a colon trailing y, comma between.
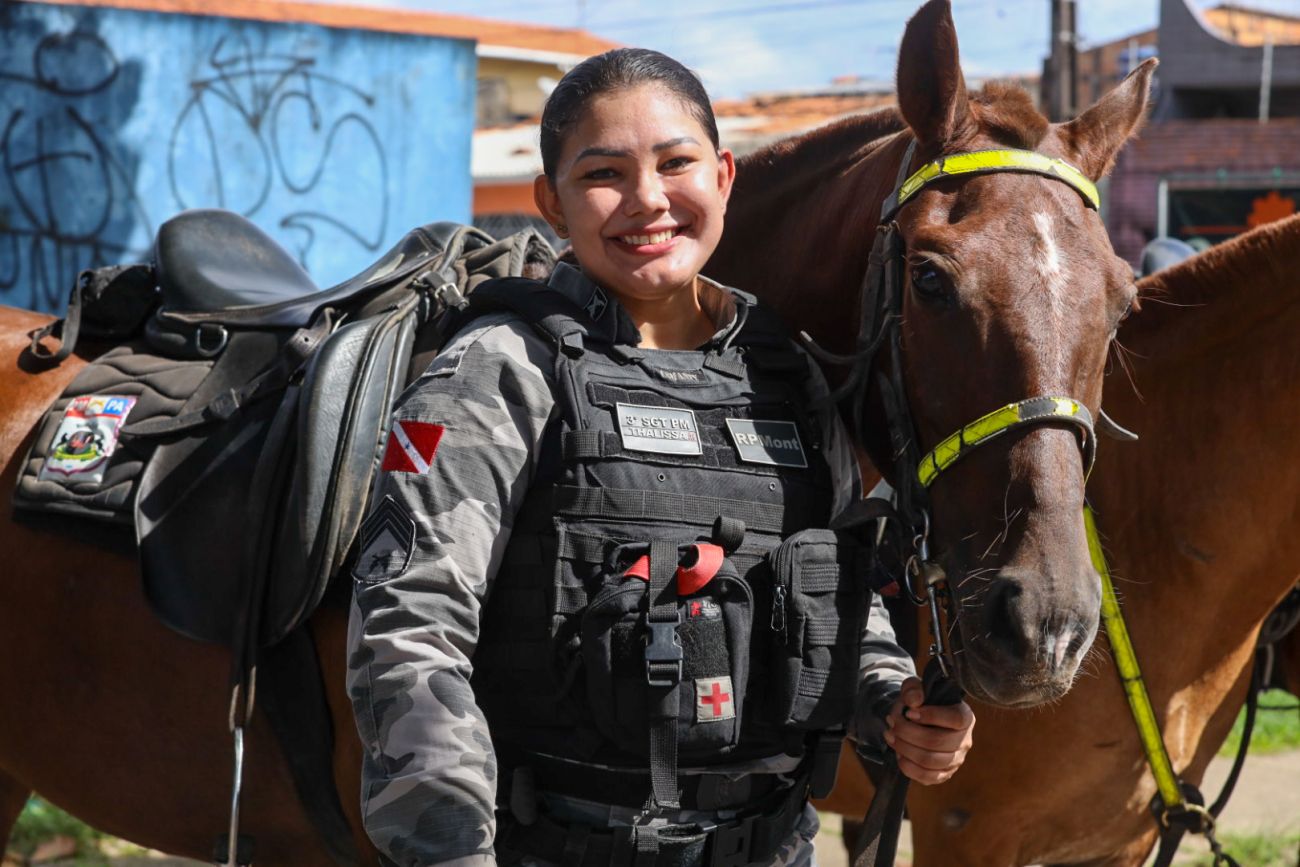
x: 839, y: 143
x: 1217, y: 295
x: 1255, y: 261
x: 1003, y: 111
x: 1008, y: 114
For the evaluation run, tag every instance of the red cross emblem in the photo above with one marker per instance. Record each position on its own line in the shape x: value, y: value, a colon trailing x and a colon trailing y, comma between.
x: 713, y: 699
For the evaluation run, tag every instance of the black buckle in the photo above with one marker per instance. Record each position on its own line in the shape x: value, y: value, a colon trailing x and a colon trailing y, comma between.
x: 729, y: 845
x: 663, y: 654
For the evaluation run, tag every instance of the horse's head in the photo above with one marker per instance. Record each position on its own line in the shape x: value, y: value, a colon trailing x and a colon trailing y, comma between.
x: 1010, y: 290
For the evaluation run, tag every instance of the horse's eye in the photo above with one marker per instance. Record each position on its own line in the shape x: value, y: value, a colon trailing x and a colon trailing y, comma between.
x: 928, y: 283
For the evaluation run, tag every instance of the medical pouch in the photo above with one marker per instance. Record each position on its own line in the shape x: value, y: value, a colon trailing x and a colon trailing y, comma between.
x: 715, y: 611
x: 819, y: 600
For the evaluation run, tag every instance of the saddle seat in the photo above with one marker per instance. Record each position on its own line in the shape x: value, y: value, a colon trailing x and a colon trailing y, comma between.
x: 216, y: 267
x: 209, y: 260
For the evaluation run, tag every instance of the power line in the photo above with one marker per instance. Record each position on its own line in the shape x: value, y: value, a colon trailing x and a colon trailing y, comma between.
x: 772, y: 8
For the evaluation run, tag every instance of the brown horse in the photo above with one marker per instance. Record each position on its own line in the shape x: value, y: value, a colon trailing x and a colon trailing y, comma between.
x: 94, y: 682
x: 1199, y: 520
x: 1013, y: 291
x: 106, y: 712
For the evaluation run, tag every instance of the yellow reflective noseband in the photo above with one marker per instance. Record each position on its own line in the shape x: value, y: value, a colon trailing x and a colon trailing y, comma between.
x: 1035, y: 410
x: 1005, y: 160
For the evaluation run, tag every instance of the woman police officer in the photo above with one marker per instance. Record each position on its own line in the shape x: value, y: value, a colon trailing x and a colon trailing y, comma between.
x: 593, y: 621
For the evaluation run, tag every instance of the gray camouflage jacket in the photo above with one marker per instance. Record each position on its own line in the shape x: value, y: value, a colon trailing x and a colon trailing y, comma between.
x: 462, y: 454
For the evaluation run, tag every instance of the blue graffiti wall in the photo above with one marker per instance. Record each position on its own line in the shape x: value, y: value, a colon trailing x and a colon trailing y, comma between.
x: 335, y: 142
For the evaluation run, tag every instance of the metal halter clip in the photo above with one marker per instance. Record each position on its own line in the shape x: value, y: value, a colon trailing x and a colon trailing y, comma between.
x: 934, y: 577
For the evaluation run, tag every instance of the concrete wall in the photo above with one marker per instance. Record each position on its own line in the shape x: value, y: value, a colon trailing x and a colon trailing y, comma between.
x: 336, y: 142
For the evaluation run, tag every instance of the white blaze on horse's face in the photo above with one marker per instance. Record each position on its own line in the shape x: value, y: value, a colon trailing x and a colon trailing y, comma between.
x: 1050, y: 264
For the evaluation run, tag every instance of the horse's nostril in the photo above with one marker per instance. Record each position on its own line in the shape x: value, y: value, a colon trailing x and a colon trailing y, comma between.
x: 1007, y: 625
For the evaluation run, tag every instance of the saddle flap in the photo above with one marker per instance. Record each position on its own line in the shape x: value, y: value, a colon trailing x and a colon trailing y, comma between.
x: 343, y: 415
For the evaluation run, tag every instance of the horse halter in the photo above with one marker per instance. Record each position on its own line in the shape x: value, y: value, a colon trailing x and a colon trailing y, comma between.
x: 882, y: 310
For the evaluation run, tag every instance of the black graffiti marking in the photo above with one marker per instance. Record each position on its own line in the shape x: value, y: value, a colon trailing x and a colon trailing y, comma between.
x: 256, y: 86
x: 44, y: 251
x: 63, y: 66
x: 49, y: 82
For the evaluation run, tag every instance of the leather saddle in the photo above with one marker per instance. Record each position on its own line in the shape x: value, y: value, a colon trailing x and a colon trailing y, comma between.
x: 255, y: 491
x: 245, y: 465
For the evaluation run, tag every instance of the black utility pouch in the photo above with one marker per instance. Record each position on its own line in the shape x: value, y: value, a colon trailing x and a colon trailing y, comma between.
x: 715, y: 613
x: 819, y: 595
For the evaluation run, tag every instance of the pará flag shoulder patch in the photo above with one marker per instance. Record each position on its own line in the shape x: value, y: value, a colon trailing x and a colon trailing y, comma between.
x: 411, y: 446
x: 387, y: 539
x: 714, y: 699
x: 86, y: 438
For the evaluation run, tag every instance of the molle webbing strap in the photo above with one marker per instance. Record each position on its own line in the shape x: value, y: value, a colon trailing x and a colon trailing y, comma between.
x: 587, y: 445
x: 1033, y: 411
x: 658, y: 506
x: 663, y: 668
x: 550, y: 312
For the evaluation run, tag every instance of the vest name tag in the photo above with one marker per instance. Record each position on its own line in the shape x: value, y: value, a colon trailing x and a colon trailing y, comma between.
x: 660, y: 429
x: 764, y: 441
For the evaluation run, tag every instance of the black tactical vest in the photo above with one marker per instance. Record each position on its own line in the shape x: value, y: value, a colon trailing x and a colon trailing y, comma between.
x: 595, y: 647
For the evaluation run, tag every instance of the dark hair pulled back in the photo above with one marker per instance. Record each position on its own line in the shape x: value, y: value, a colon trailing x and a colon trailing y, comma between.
x: 620, y: 69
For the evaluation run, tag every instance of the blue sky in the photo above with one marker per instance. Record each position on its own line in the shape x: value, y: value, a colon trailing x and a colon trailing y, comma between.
x: 743, y: 46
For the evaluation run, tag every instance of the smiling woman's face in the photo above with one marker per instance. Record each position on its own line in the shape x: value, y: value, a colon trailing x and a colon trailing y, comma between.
x: 641, y: 190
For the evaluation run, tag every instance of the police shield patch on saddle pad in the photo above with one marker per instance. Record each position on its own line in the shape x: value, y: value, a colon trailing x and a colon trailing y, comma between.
x: 86, y: 438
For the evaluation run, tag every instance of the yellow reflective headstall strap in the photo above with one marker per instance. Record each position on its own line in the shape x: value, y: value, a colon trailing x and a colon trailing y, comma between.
x: 1139, y: 701
x: 1035, y: 410
x: 1003, y: 160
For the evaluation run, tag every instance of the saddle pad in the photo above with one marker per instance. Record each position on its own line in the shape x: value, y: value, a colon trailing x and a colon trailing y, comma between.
x: 79, y: 463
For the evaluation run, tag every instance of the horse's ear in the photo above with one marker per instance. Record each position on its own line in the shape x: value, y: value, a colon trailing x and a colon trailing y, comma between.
x: 931, y: 89
x: 1097, y: 135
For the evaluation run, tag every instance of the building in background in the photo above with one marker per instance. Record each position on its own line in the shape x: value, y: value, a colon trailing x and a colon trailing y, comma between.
x: 1221, y: 151
x: 335, y: 129
x: 518, y: 65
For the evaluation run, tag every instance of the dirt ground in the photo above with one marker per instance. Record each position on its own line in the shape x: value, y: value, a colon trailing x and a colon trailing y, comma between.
x: 1266, y: 801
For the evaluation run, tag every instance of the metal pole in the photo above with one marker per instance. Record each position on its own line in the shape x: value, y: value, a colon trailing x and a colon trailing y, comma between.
x: 1266, y: 78
x: 1071, y: 39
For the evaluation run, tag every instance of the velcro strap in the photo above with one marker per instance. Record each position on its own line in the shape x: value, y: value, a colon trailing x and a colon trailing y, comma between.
x: 822, y: 631
x: 634, y: 505
x: 584, y: 445
x: 812, y: 682
x: 725, y: 366
x: 819, y: 577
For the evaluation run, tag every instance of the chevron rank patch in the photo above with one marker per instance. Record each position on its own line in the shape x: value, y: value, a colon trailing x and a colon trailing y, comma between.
x: 387, y: 538
x: 411, y: 445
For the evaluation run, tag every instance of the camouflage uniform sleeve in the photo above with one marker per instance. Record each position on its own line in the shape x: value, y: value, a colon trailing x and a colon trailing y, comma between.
x: 883, y: 665
x: 461, y: 457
